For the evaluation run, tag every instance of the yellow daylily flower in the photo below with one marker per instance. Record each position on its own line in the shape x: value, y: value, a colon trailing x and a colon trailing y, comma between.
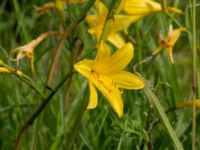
x: 106, y: 73
x: 114, y: 25
x: 188, y: 103
x: 141, y: 8
x: 169, y: 42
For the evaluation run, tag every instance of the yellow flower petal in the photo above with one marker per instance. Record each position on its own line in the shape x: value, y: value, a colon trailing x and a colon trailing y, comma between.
x: 127, y: 80
x: 169, y: 52
x: 103, y: 51
x: 141, y: 7
x: 84, y: 67
x: 93, y: 97
x: 108, y: 88
x: 117, y: 62
x: 95, y: 21
x: 96, y: 25
x: 4, y: 70
x: 101, y: 8
x: 116, y: 40
x: 171, y: 39
x: 173, y: 35
x: 122, y: 22
x: 97, y: 31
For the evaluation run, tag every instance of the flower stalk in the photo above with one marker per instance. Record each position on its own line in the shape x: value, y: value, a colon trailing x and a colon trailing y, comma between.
x: 194, y: 84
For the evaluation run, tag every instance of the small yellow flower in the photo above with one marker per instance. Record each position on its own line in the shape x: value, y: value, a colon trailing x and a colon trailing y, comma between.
x: 170, y: 41
x: 106, y: 73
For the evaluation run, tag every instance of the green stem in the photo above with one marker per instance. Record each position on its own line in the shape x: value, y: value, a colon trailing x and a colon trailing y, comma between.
x: 25, y: 79
x: 109, y: 18
x: 194, y: 52
x: 32, y: 118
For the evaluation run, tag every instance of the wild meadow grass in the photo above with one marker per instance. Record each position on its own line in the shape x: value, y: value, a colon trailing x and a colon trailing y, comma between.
x: 44, y: 100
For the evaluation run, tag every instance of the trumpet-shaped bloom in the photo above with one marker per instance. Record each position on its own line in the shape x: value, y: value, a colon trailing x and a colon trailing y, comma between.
x: 106, y: 73
x: 134, y: 10
x: 170, y: 41
x: 28, y: 49
x: 113, y: 25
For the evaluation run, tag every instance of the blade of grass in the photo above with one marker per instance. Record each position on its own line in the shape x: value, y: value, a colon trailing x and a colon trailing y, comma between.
x: 74, y: 117
x: 151, y: 96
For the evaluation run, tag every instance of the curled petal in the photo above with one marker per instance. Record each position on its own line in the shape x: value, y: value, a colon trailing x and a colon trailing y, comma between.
x: 173, y: 35
x: 127, y: 80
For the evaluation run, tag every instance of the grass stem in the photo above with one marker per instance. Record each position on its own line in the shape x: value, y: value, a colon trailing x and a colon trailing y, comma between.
x: 194, y: 84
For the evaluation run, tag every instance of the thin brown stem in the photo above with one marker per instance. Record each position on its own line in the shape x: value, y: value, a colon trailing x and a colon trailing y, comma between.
x: 55, y: 60
x: 78, y: 46
x: 144, y: 61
